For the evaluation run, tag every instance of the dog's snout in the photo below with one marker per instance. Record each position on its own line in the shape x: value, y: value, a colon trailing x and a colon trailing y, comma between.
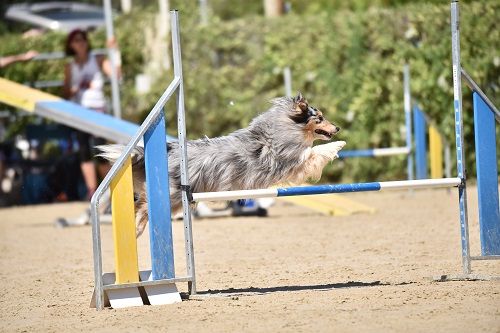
x: 337, y: 129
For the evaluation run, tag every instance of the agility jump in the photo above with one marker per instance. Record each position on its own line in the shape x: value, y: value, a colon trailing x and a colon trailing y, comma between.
x: 486, y: 159
x: 122, y: 288
x: 425, y: 134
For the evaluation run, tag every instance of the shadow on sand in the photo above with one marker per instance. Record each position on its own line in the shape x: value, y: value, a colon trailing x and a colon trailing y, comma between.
x: 232, y: 292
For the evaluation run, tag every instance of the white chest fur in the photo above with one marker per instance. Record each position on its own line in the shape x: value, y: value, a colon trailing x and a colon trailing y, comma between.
x: 305, y: 155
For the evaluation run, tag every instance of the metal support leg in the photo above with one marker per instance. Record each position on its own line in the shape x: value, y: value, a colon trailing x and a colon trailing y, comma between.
x: 457, y: 93
x: 407, y: 109
x: 181, y: 127
x: 96, y: 237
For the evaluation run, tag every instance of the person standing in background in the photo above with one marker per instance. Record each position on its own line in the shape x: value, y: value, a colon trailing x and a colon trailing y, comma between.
x: 84, y: 80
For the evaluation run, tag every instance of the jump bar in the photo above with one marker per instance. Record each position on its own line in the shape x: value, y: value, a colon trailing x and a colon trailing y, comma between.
x: 324, y: 189
x: 375, y: 152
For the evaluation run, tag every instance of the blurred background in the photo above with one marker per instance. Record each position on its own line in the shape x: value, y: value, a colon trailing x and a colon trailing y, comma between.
x: 346, y: 57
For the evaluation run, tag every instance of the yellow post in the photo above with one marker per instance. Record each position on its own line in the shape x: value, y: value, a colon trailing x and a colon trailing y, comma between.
x: 123, y: 218
x: 436, y: 152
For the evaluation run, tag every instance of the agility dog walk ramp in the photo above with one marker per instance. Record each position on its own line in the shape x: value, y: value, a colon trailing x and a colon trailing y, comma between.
x: 67, y: 113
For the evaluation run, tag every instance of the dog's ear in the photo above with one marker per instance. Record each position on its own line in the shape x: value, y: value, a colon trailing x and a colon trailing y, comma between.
x: 299, y: 97
x: 300, y: 102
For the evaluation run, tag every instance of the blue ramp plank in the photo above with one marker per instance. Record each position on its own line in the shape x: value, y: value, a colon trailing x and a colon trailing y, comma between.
x: 157, y: 187
x: 487, y: 177
x: 89, y: 121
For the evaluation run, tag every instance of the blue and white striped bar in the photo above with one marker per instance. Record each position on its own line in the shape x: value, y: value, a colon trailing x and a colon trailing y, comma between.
x: 325, y: 189
x: 375, y: 152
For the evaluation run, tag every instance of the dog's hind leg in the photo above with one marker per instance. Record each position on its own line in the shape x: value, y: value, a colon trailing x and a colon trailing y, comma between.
x: 141, y: 213
x: 141, y: 209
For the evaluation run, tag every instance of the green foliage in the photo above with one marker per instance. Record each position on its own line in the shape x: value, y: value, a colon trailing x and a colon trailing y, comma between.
x: 347, y: 63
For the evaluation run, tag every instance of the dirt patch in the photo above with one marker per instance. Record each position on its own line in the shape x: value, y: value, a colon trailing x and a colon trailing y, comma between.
x: 293, y: 271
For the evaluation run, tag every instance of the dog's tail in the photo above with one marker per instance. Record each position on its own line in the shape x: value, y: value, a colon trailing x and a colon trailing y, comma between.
x: 113, y: 152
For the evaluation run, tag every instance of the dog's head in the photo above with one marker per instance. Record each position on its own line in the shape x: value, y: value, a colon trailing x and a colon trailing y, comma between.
x: 316, y: 126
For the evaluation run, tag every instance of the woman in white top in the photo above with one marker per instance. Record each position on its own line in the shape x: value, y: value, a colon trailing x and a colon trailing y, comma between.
x: 83, y: 84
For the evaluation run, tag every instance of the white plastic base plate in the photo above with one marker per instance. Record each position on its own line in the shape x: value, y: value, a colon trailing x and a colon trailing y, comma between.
x: 162, y: 293
x: 126, y: 297
x: 121, y: 298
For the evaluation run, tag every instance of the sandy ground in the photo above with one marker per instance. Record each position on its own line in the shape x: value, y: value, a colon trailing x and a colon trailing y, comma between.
x: 294, y: 271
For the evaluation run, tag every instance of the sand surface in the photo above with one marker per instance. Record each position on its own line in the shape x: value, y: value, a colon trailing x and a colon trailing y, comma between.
x: 295, y: 271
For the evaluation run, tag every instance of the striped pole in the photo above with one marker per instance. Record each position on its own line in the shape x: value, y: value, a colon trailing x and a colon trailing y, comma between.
x: 325, y: 189
x: 374, y: 152
x: 181, y: 130
x: 459, y: 138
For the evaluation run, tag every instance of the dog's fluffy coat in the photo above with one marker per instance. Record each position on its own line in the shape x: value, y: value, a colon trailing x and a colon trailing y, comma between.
x: 277, y: 147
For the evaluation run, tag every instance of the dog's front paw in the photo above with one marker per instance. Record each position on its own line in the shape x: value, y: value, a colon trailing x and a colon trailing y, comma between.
x: 330, y: 150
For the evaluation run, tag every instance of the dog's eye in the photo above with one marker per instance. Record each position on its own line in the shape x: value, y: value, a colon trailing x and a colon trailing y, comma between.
x: 320, y: 119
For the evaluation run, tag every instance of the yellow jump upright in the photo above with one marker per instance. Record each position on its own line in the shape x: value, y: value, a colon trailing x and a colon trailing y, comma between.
x: 436, y: 152
x: 123, y: 219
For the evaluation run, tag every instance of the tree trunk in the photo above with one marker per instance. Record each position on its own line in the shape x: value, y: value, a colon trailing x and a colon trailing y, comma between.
x: 273, y: 8
x: 126, y: 5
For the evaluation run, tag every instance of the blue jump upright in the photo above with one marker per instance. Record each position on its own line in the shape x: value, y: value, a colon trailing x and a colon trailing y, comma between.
x: 487, y: 177
x: 420, y: 143
x: 157, y: 187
